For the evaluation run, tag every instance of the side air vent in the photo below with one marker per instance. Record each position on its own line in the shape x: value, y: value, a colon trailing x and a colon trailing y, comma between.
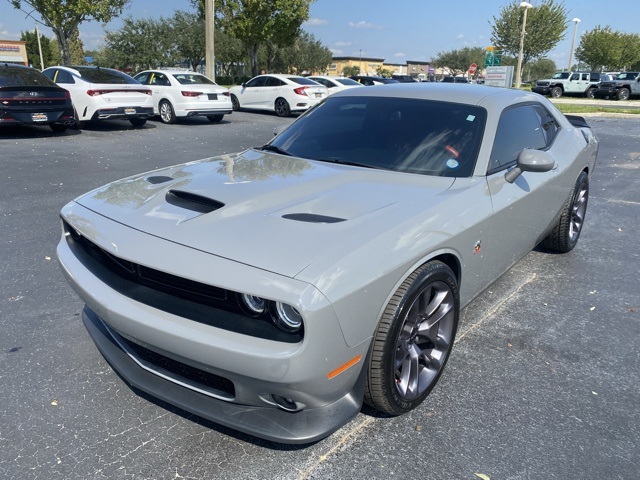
x: 312, y: 218
x: 156, y: 179
x: 192, y: 201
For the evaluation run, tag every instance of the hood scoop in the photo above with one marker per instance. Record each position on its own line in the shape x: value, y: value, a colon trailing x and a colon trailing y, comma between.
x: 312, y: 218
x: 156, y: 179
x: 192, y: 201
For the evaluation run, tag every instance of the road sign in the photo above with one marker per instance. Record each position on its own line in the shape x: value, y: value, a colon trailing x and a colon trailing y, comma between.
x: 473, y: 68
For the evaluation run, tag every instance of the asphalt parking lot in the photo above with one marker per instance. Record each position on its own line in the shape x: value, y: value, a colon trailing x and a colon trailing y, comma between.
x: 543, y: 382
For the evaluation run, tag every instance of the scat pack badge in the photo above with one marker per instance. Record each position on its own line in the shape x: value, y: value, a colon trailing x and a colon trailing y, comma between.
x: 477, y: 247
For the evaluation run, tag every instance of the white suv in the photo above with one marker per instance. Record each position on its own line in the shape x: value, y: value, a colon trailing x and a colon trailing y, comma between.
x: 103, y: 94
x: 184, y: 93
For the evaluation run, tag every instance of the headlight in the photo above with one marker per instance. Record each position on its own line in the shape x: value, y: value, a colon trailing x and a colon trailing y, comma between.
x: 254, y: 305
x: 287, y: 318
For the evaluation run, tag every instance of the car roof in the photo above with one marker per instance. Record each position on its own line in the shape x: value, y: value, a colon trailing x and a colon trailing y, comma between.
x: 481, y: 95
x: 279, y: 75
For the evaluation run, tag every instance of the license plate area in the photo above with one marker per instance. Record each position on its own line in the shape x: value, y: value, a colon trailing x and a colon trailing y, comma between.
x: 318, y: 95
x: 129, y: 111
x: 212, y: 96
x: 39, y: 117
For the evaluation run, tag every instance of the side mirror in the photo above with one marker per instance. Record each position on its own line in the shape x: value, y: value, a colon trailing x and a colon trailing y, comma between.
x: 530, y: 160
x: 244, y: 85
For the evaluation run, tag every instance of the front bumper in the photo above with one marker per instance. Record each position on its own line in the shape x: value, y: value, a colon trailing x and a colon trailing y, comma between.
x: 256, y: 368
x: 542, y: 90
x: 272, y: 424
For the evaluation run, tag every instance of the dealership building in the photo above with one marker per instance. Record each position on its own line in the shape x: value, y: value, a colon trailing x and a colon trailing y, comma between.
x: 13, y: 51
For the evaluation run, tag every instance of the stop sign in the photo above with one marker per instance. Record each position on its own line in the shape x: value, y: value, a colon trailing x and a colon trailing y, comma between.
x: 473, y: 68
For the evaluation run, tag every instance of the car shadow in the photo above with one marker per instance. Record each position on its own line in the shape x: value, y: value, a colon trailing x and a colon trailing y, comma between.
x: 16, y: 132
x: 111, y: 126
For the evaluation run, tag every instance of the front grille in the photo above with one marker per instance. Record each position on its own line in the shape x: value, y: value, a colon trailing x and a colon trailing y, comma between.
x: 196, y: 301
x: 183, y: 372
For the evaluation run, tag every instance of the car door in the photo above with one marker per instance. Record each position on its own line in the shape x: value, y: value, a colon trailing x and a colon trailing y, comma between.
x: 252, y: 94
x: 522, y: 210
x: 67, y: 81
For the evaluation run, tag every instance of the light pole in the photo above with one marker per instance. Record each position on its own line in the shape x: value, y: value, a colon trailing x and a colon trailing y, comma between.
x: 526, y: 7
x: 576, y: 21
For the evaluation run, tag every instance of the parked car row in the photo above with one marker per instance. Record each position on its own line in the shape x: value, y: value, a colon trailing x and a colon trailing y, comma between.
x: 623, y: 86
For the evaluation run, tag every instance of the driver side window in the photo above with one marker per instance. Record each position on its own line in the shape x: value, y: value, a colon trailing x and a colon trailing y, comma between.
x: 519, y: 128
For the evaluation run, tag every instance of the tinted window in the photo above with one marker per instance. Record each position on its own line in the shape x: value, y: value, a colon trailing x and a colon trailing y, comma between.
x: 22, y: 76
x: 193, y: 78
x: 519, y: 128
x: 273, y: 82
x: 256, y: 82
x: 143, y: 78
x: 323, y: 81
x: 346, y: 81
x: 64, y: 77
x: 104, y: 75
x: 160, y: 79
x: 401, y: 134
x: 302, y: 81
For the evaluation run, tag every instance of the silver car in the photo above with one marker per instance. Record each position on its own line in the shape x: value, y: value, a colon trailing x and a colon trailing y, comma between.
x: 275, y: 290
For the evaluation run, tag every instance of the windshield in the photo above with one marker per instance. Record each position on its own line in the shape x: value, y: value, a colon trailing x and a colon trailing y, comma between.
x: 401, y: 134
x: 11, y: 76
x: 104, y: 75
x: 561, y: 75
x: 193, y: 79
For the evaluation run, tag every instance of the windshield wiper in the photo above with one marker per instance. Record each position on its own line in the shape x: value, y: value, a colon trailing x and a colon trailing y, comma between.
x: 273, y: 148
x: 344, y: 162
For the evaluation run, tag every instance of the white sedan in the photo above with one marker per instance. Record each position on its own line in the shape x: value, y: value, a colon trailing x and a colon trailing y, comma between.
x: 183, y: 93
x: 335, y: 84
x: 278, y: 93
x: 103, y: 94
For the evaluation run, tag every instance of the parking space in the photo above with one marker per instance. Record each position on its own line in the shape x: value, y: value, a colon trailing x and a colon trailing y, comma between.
x: 543, y: 380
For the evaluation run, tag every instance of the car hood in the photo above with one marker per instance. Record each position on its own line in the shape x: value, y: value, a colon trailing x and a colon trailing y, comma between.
x: 270, y: 211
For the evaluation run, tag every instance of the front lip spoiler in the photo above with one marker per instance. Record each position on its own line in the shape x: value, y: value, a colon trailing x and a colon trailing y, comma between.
x: 273, y: 424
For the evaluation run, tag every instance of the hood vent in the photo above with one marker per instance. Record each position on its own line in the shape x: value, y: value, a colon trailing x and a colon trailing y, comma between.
x: 192, y: 201
x: 156, y: 179
x: 312, y: 218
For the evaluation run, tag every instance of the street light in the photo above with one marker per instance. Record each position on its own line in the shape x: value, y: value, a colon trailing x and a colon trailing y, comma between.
x: 526, y: 7
x: 576, y: 21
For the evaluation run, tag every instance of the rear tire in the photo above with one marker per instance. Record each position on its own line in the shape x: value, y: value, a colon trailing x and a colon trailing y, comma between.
x: 591, y: 93
x: 566, y: 232
x: 282, y: 108
x: 58, y: 128
x: 413, y: 340
x: 138, y: 122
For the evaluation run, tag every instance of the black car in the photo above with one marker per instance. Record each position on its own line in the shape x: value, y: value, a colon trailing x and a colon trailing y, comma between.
x: 28, y: 97
x: 369, y: 80
x: 404, y: 78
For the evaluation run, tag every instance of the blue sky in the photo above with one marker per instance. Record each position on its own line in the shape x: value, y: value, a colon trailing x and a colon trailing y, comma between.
x: 397, y: 30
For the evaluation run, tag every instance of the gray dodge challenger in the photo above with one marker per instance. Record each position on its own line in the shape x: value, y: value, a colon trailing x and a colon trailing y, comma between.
x: 277, y: 289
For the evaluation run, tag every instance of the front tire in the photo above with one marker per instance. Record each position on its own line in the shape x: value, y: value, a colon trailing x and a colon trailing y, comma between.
x: 591, y: 93
x: 282, y: 107
x: 566, y: 232
x: 556, y: 92
x: 167, y: 114
x: 623, y: 94
x: 413, y: 340
x: 235, y: 103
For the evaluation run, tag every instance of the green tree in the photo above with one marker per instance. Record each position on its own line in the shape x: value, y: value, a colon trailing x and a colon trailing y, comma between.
x: 603, y: 48
x: 351, y: 71
x: 188, y: 40
x: 259, y: 22
x: 64, y: 16
x: 384, y: 72
x: 545, y: 28
x: 459, y: 61
x: 305, y: 55
x: 139, y: 44
x: 76, y: 51
x: 541, y: 68
x: 33, y: 51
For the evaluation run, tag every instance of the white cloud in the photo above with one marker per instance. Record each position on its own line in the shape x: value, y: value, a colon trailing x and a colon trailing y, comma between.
x: 399, y: 54
x: 343, y: 44
x: 460, y: 37
x: 336, y: 51
x: 316, y: 22
x: 364, y: 25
